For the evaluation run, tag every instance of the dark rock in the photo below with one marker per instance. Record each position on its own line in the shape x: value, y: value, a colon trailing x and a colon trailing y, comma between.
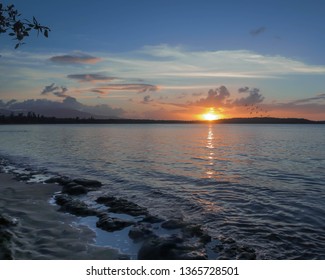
x: 107, y: 223
x: 194, y: 255
x: 5, y: 245
x: 246, y: 253
x: 63, y: 181
x: 160, y: 248
x: 74, y: 189
x: 192, y: 230
x: 6, y: 220
x: 152, y: 219
x: 173, y: 224
x: 188, y: 244
x: 122, y: 206
x: 23, y: 177
x: 105, y: 199
x: 88, y: 183
x: 74, y: 206
x: 229, y: 249
x: 140, y: 231
x: 71, y: 184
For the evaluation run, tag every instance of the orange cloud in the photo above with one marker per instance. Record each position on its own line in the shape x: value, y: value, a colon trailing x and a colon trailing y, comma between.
x: 75, y: 59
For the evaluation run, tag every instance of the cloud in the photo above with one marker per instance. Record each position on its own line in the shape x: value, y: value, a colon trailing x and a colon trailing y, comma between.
x: 140, y: 88
x: 258, y: 31
x: 68, y: 107
x: 49, y: 89
x: 215, y: 97
x: 254, y: 97
x: 319, y: 97
x: 313, y: 107
x: 75, y: 58
x: 182, y: 63
x: 57, y: 91
x: 91, y: 78
x: 146, y: 99
x: 243, y: 89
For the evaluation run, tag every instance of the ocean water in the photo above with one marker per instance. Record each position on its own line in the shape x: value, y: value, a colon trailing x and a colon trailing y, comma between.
x: 260, y: 185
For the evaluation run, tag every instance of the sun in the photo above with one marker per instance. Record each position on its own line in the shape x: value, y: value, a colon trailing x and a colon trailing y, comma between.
x: 210, y: 115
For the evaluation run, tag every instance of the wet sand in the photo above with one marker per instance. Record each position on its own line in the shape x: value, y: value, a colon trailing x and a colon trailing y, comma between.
x: 41, y: 231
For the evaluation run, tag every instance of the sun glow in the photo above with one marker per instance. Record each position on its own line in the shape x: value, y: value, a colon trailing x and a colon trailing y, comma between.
x: 211, y: 115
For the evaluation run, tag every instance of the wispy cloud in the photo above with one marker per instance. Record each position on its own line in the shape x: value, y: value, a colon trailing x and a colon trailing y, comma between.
x: 91, y: 78
x: 139, y: 88
x: 258, y: 31
x: 165, y: 63
x: 56, y: 90
x: 318, y: 98
x: 78, y: 58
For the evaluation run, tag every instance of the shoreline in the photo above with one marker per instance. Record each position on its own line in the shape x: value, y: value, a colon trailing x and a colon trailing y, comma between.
x: 45, y: 216
x: 32, y: 228
x: 12, y: 120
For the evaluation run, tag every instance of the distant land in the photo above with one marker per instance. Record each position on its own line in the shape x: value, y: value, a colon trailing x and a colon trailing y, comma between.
x: 32, y: 118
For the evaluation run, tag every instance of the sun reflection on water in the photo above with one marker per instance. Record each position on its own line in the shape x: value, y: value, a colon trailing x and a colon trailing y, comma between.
x: 210, y: 145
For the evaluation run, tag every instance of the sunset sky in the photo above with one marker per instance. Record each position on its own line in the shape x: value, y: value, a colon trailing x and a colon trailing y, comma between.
x: 169, y: 59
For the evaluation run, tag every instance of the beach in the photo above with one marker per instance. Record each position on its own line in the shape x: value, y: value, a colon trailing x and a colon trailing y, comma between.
x: 33, y: 228
x: 40, y: 221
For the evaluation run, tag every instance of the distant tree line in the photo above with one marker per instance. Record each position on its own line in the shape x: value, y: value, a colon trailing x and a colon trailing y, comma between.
x: 32, y: 118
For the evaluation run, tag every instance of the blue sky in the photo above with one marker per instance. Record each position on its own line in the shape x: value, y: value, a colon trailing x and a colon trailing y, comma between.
x: 171, y: 59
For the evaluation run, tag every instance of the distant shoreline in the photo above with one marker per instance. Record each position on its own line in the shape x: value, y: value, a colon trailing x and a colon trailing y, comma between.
x: 5, y: 120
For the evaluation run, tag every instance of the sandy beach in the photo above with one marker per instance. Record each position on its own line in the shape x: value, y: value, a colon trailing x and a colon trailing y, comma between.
x: 32, y: 228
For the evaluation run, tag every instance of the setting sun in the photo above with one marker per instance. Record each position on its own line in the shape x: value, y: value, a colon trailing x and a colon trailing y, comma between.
x: 211, y: 115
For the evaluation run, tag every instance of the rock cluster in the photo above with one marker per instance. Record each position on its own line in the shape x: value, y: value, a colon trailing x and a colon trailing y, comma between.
x: 158, y: 238
x: 179, y: 240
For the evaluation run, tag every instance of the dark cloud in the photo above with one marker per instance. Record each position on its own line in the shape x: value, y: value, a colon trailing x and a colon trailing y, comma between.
x: 56, y: 90
x: 147, y: 99
x: 90, y: 77
x: 69, y: 107
x: 75, y: 58
x: 243, y: 89
x: 12, y: 101
x: 319, y: 97
x: 254, y: 97
x: 49, y: 89
x: 215, y: 97
x: 98, y: 91
x: 140, y: 88
x: 72, y: 102
x: 258, y: 31
x: 182, y: 95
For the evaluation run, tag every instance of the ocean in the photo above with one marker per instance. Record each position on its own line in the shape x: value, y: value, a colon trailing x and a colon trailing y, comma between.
x: 262, y: 186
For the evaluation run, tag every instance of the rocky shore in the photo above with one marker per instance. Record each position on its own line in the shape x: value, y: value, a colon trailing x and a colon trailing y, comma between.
x: 31, y: 228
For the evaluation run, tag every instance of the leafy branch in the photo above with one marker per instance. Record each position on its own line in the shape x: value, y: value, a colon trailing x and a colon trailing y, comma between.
x: 19, y: 29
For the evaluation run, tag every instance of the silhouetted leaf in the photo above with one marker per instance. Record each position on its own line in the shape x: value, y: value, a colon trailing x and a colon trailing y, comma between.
x: 18, y: 28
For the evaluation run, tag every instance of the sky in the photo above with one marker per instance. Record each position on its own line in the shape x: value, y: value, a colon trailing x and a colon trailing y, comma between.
x: 170, y: 59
